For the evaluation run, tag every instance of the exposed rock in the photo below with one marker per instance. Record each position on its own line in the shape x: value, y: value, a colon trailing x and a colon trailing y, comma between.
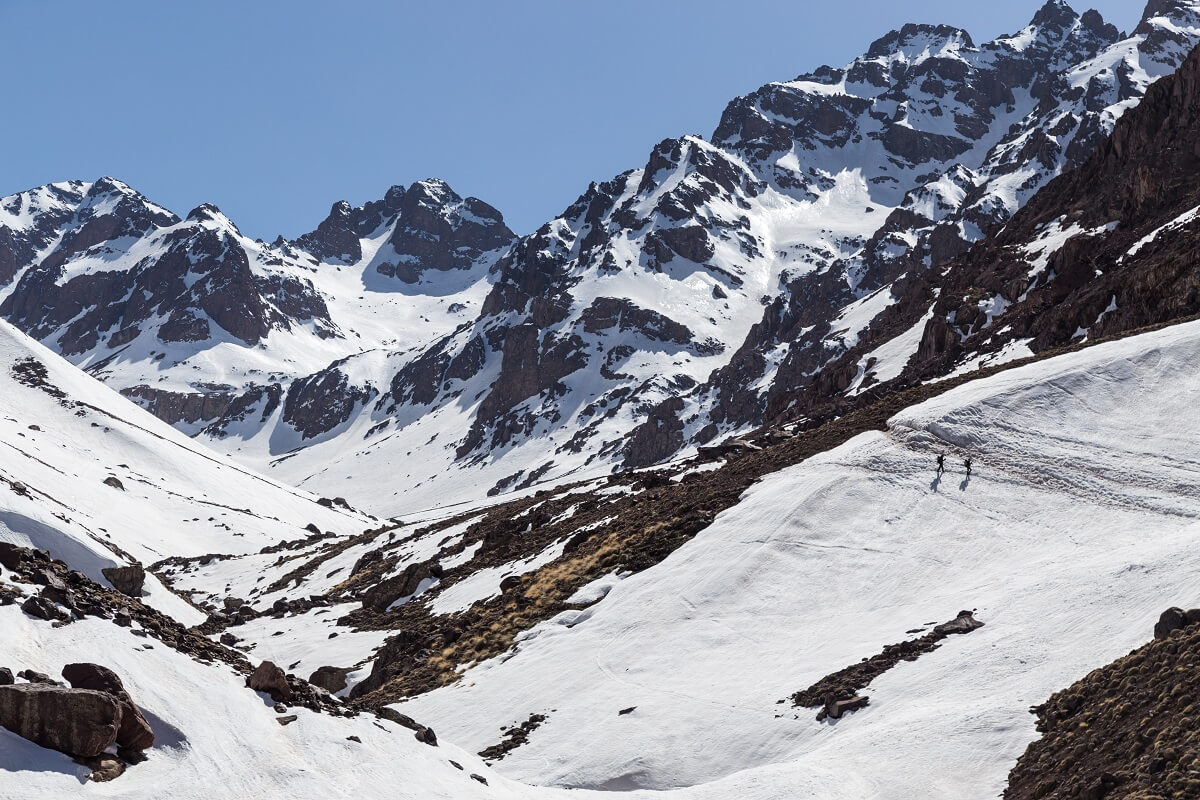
x: 382, y: 595
x: 270, y: 679
x: 965, y: 622
x: 331, y: 679
x: 1171, y: 620
x: 135, y: 732
x: 10, y: 555
x: 834, y: 707
x: 42, y: 608
x: 104, y: 768
x: 114, y: 482
x: 128, y: 580
x: 422, y: 733
x: 6, y: 677
x: 77, y: 722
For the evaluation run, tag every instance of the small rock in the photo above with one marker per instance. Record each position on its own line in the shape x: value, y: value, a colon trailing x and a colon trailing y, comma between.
x: 114, y: 482
x: 104, y: 768
x: 6, y: 677
x: 353, y: 739
x: 625, y: 711
x: 479, y: 778
x: 228, y: 639
x: 36, y: 677
x: 288, y: 720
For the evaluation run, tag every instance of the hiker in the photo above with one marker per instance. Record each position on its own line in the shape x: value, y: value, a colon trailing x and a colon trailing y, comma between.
x: 967, y: 464
x: 941, y: 464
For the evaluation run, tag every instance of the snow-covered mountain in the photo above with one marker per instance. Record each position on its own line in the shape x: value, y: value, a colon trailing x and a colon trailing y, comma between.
x: 1078, y: 521
x: 413, y: 350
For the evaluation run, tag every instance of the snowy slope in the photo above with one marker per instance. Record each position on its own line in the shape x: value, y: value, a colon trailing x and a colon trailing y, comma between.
x: 1077, y: 526
x: 64, y: 434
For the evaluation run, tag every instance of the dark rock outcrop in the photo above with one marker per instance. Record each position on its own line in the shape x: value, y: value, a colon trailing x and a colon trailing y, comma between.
x: 78, y: 722
x: 134, y: 732
x: 270, y: 679
x: 128, y: 580
x: 383, y: 594
x: 331, y: 679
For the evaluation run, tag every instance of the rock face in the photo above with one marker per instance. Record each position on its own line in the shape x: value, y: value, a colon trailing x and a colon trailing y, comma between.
x: 77, y: 722
x: 1103, y: 249
x: 128, y: 580
x: 134, y: 732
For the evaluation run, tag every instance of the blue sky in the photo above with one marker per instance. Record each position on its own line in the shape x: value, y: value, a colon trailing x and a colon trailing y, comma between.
x: 274, y: 109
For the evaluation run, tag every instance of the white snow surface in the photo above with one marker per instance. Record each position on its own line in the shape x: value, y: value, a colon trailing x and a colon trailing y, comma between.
x: 1078, y: 526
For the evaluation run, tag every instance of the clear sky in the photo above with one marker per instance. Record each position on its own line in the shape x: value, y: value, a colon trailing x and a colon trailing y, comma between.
x: 274, y: 109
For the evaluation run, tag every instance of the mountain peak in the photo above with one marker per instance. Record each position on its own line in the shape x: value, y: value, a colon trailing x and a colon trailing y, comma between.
x: 926, y: 37
x: 1055, y: 13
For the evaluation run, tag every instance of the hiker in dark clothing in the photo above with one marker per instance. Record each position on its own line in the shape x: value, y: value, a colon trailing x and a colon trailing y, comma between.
x: 967, y: 464
x: 941, y: 464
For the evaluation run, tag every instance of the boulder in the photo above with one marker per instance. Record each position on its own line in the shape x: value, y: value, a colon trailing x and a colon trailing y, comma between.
x: 10, y: 555
x: 421, y: 733
x: 835, y: 707
x: 135, y: 732
x: 1169, y: 621
x: 78, y: 722
x: 126, y: 580
x: 6, y: 677
x: 383, y: 594
x: 965, y: 622
x: 36, y: 677
x: 331, y: 679
x: 270, y: 679
x: 42, y: 608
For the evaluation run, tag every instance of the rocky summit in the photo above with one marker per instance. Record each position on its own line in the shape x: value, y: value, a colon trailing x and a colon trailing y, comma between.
x: 846, y: 452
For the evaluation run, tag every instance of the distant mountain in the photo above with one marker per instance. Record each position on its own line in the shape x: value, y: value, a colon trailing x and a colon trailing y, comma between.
x: 414, y: 349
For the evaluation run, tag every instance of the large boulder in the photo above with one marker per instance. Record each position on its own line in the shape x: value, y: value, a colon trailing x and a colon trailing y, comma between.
x: 79, y: 722
x: 270, y: 679
x: 331, y: 679
x: 1170, y: 621
x: 126, y: 580
x: 42, y: 608
x: 135, y: 732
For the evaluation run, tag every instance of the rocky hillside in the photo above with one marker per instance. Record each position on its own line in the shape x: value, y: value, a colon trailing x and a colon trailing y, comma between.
x: 1104, y: 249
x: 1127, y: 731
x: 669, y: 306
